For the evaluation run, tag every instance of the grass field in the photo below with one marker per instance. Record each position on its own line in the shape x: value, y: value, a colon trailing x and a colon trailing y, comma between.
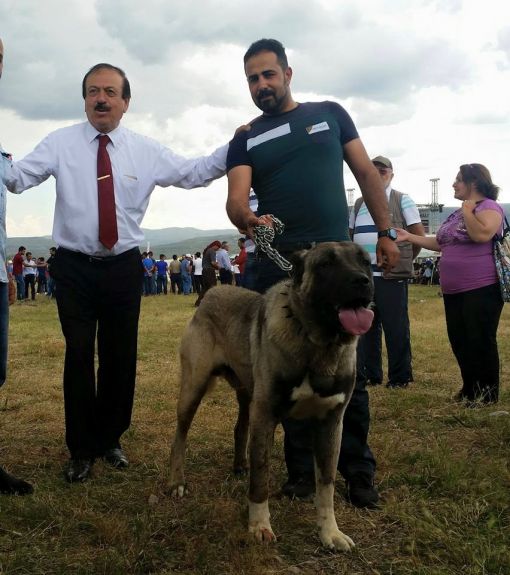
x: 443, y: 470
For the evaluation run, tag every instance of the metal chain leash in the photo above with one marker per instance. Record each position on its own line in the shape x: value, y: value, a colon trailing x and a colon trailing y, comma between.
x: 263, y: 236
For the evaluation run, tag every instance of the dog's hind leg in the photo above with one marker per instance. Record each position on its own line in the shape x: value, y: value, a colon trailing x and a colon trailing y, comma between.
x: 195, y: 380
x: 327, y: 439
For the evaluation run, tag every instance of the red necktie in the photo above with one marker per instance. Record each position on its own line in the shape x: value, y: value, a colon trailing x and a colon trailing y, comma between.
x: 108, y: 235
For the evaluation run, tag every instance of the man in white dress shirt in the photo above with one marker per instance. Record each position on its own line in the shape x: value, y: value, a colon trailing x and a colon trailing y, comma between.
x: 89, y: 302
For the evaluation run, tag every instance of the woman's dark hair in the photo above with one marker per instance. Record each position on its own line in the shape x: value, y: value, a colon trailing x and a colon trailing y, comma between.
x: 480, y: 176
x: 216, y: 243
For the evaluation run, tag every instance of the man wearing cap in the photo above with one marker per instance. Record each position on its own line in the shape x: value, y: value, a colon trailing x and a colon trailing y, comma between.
x: 391, y: 314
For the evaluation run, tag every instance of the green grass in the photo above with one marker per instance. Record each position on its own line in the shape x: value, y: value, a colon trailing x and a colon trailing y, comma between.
x: 442, y: 470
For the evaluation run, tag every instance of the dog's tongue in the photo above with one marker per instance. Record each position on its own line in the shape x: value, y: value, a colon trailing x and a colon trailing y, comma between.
x: 356, y: 321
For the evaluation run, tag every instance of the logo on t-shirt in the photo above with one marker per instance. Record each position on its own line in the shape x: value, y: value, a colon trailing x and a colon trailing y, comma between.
x: 317, y: 128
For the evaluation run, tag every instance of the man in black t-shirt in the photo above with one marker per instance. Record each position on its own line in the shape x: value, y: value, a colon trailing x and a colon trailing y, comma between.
x: 293, y: 158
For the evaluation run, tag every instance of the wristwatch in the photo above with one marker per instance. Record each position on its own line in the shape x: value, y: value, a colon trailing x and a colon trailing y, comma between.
x: 389, y: 233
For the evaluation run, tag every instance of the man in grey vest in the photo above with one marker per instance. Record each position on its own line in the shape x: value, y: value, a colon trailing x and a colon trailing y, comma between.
x: 391, y: 288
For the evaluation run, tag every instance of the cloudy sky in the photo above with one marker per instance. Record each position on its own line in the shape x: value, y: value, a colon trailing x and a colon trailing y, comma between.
x: 426, y: 81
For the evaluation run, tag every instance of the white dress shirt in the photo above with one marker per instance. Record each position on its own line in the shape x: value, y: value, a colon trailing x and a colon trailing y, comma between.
x: 138, y: 165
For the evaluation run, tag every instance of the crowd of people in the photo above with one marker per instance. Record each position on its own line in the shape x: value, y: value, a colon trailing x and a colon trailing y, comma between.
x: 32, y: 275
x: 183, y: 275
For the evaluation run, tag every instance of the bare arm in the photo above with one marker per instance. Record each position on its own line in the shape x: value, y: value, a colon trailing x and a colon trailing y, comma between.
x: 427, y: 242
x: 481, y: 226
x: 238, y: 210
x: 375, y: 199
x: 418, y: 230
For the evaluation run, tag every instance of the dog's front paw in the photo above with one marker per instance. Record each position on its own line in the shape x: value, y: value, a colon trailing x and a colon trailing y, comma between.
x: 178, y: 490
x: 335, y: 540
x: 259, y: 523
x: 262, y: 533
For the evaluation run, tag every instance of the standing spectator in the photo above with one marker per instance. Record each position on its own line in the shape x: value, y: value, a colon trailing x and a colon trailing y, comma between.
x: 29, y: 273
x: 240, y: 260
x: 197, y: 273
x: 293, y: 158
x: 42, y: 269
x: 154, y: 278
x: 186, y: 274
x: 224, y: 264
x: 469, y: 281
x: 148, y: 271
x: 17, y: 271
x: 51, y: 280
x: 175, y: 275
x: 162, y: 271
x: 209, y: 267
x: 390, y: 288
x: 9, y: 484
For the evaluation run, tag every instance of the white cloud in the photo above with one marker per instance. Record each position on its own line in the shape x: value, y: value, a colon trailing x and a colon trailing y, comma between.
x: 426, y: 81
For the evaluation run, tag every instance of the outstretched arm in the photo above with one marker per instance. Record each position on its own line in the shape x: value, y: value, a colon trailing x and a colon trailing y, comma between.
x: 427, y: 242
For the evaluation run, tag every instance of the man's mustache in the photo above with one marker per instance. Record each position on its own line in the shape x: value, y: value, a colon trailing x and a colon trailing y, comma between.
x: 265, y: 93
x: 101, y: 107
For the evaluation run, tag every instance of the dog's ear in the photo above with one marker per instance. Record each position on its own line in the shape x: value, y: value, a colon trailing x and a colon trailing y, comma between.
x: 297, y: 259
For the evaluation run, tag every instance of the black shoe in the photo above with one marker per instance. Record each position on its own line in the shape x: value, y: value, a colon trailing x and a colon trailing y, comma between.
x: 116, y: 457
x: 299, y: 488
x: 397, y: 384
x: 374, y: 382
x: 78, y: 470
x: 10, y: 485
x: 362, y: 493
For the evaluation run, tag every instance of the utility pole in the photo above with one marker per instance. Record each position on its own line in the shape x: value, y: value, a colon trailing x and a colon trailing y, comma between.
x: 350, y: 196
x: 434, y: 206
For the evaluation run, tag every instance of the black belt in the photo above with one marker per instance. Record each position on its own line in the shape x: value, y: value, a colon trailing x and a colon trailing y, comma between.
x: 99, y: 259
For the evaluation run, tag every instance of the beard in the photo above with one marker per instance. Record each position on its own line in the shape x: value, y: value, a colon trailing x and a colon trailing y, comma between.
x: 270, y: 102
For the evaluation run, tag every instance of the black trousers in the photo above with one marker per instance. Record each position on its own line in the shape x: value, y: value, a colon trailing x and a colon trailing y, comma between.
x: 390, y: 315
x: 356, y: 458
x: 30, y: 285
x: 98, y: 299
x: 472, y: 320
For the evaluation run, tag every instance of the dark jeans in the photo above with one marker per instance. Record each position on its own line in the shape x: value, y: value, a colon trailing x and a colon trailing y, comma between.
x: 20, y: 286
x: 355, y: 455
x: 472, y: 319
x: 98, y: 298
x: 208, y: 281
x: 225, y: 276
x: 162, y: 284
x: 30, y: 285
x: 147, y: 285
x: 390, y: 315
x: 176, y: 283
x: 197, y: 283
x: 4, y: 329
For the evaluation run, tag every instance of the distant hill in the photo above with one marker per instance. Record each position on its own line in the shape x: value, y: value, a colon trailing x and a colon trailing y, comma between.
x: 167, y: 241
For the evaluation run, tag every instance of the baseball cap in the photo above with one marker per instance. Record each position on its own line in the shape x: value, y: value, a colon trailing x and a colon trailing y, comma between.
x: 382, y: 160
